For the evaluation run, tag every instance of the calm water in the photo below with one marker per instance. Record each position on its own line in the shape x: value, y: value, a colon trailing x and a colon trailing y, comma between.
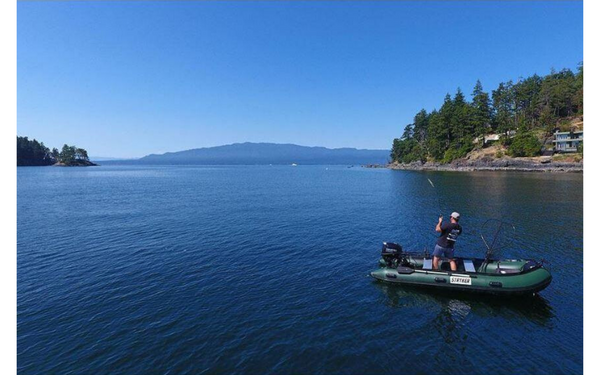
x: 236, y: 270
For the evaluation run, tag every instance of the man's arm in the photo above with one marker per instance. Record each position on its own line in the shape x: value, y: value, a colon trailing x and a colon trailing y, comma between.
x: 438, y: 227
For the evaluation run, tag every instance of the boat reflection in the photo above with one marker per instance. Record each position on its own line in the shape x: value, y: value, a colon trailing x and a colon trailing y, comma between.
x: 455, y: 307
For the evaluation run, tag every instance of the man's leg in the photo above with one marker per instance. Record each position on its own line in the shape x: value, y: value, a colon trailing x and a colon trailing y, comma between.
x: 450, y: 255
x: 437, y: 253
x: 452, y: 265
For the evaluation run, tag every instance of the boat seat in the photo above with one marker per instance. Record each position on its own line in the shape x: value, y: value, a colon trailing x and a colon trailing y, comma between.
x: 405, y: 270
x: 427, y: 264
x: 469, y: 267
x: 507, y: 270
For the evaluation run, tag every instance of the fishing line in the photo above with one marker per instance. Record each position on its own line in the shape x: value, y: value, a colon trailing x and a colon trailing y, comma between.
x: 437, y: 196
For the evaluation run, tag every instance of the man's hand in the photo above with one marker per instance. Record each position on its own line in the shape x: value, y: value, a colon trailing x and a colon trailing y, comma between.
x: 441, y: 218
x: 438, y: 227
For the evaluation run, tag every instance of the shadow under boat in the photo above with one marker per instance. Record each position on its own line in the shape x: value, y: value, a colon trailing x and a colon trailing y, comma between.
x: 533, y: 308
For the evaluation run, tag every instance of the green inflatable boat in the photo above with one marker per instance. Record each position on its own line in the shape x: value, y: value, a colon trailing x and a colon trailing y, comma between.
x: 491, y: 276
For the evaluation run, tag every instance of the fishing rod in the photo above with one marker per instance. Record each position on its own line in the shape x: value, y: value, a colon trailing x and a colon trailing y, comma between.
x: 437, y: 196
x: 492, y: 247
x: 467, y: 232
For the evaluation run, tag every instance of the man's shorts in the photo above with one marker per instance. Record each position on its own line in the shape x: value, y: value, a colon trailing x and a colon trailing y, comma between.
x: 443, y: 252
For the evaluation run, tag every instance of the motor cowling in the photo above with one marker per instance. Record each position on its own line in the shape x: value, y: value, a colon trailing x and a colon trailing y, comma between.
x: 391, y: 253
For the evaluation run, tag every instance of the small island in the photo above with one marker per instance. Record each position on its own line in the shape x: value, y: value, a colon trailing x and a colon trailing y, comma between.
x: 34, y: 153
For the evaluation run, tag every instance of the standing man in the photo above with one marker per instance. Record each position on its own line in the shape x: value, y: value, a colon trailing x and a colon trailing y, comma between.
x: 445, y: 243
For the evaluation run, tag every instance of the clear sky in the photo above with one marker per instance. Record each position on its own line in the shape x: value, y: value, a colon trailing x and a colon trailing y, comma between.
x: 126, y: 79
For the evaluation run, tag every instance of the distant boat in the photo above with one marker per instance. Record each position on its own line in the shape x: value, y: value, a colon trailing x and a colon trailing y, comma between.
x: 294, y: 165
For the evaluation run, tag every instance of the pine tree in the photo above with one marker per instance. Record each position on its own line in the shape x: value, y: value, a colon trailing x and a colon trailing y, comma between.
x: 482, y: 111
x: 420, y: 126
x: 502, y: 99
x: 446, y: 114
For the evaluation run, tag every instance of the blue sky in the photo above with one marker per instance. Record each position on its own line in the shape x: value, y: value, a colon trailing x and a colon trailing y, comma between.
x: 126, y: 79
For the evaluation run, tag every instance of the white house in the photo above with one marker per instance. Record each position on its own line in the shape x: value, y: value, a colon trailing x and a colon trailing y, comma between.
x: 567, y: 141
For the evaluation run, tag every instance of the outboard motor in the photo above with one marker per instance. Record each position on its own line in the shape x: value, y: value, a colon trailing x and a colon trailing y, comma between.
x: 391, y: 253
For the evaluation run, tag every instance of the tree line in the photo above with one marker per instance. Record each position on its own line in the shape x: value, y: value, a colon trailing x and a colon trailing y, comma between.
x: 32, y: 152
x: 518, y: 111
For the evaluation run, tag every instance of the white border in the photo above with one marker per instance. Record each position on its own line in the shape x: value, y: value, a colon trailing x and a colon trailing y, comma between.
x: 8, y: 112
x: 8, y: 161
x: 590, y: 196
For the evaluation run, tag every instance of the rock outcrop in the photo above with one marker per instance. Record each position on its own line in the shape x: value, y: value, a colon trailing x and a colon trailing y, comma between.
x: 490, y: 164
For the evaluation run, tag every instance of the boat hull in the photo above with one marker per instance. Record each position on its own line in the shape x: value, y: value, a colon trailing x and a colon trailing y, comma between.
x: 526, y: 283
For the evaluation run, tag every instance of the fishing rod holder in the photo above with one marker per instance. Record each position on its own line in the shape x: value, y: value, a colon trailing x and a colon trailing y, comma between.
x: 491, y: 247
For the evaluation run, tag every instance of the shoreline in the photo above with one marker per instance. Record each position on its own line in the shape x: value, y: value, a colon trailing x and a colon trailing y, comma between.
x: 463, y: 165
x: 76, y: 164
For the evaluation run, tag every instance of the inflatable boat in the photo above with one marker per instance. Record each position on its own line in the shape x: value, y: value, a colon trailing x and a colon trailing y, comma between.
x: 490, y: 276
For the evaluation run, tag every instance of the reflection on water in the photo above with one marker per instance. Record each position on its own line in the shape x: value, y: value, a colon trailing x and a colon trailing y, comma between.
x: 455, y: 307
x: 456, y: 329
x: 261, y: 270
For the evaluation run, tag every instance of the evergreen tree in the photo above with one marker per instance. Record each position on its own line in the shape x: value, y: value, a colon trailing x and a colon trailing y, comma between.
x: 482, y: 111
x: 446, y: 118
x: 420, y: 123
x: 460, y: 121
x: 526, y: 94
x: 437, y: 135
x: 408, y: 132
x: 502, y: 99
x: 67, y: 155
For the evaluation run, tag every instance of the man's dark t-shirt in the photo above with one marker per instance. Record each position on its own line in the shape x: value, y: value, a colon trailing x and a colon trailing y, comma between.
x: 450, y: 232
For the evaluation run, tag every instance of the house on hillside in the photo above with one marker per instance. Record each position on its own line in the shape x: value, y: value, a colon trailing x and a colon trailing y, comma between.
x: 491, y: 138
x: 567, y: 141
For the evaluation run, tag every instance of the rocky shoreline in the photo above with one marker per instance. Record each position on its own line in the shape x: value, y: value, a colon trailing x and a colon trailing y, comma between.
x: 77, y: 163
x: 485, y: 164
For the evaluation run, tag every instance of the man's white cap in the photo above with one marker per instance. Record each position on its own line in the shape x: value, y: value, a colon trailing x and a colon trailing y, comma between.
x: 455, y: 215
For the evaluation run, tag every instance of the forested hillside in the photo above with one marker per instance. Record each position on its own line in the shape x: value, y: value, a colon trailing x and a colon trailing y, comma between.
x: 518, y: 111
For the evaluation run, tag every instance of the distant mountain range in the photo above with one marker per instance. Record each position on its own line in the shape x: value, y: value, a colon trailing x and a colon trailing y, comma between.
x: 263, y: 153
x: 105, y: 158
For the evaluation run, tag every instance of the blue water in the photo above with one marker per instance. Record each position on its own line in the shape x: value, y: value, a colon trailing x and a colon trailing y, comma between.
x: 263, y: 269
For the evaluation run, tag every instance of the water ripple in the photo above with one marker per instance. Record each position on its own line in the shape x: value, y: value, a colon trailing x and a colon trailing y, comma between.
x: 228, y: 270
